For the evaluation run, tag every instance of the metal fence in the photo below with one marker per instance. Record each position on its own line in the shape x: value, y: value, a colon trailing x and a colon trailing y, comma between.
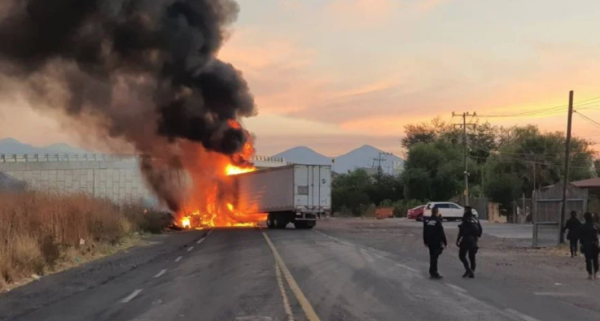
x: 94, y: 157
x: 34, y: 158
x: 547, y: 212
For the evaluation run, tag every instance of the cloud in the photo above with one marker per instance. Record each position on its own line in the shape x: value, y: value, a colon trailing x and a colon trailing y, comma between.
x: 24, y: 124
x: 373, y: 14
x: 361, y: 14
x: 428, y: 5
x: 291, y: 4
x: 282, y: 75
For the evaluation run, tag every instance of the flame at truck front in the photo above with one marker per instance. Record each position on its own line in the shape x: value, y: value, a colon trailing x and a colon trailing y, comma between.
x: 212, y: 200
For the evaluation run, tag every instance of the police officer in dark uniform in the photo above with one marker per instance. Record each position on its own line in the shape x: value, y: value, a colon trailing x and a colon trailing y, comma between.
x: 434, y: 239
x: 590, y: 245
x: 469, y: 232
x: 574, y: 227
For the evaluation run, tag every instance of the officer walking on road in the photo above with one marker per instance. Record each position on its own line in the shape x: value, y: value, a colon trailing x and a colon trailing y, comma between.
x: 590, y: 245
x: 434, y: 239
x: 469, y: 232
x: 574, y: 227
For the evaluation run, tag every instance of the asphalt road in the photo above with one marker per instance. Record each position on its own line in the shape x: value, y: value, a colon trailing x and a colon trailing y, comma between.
x: 254, y: 274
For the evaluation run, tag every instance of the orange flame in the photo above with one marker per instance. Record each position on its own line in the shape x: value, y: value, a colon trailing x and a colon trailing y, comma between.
x: 234, y: 124
x: 234, y: 170
x: 212, y: 200
x: 185, y: 222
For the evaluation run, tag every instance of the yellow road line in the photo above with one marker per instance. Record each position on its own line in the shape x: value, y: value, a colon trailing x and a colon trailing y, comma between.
x: 310, y: 313
x: 286, y: 301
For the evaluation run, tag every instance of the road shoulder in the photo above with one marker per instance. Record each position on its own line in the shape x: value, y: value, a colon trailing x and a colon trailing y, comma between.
x: 56, y: 287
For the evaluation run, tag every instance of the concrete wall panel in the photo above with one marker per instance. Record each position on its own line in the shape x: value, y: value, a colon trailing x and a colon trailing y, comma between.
x: 120, y: 181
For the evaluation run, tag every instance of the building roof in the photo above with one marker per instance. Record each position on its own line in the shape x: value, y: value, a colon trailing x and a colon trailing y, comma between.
x: 588, y: 183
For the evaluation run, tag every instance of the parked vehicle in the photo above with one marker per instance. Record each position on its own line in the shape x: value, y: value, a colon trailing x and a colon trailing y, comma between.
x: 416, y: 213
x: 449, y: 211
x: 290, y: 194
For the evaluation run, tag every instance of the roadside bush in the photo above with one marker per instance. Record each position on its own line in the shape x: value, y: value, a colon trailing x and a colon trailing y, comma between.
x: 344, y: 212
x: 368, y: 211
x: 401, y: 207
x: 37, y: 229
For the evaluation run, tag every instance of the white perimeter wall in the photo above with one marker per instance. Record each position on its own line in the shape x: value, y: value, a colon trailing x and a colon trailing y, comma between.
x: 118, y: 179
x: 105, y: 176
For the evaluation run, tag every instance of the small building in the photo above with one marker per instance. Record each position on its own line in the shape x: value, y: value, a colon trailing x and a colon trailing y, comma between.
x: 592, y: 185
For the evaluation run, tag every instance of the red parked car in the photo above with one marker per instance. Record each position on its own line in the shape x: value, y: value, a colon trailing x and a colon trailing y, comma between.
x: 416, y: 213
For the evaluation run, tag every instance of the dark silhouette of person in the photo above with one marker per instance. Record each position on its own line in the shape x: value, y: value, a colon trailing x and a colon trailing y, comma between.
x: 590, y: 245
x: 434, y: 239
x: 469, y: 232
x: 573, y: 225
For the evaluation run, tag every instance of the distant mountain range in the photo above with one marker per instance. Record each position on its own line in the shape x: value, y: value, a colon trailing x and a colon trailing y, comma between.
x: 13, y: 146
x: 363, y: 157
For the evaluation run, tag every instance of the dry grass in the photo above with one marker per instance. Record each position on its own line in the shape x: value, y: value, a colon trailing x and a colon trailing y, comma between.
x: 39, y: 231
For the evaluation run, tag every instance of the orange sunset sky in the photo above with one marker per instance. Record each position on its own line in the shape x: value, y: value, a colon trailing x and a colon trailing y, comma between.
x: 337, y: 74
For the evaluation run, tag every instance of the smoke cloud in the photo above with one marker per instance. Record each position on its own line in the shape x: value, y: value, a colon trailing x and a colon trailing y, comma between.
x: 144, y: 71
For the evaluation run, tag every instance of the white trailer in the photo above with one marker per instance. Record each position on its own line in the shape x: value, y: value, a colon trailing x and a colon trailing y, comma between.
x: 289, y: 194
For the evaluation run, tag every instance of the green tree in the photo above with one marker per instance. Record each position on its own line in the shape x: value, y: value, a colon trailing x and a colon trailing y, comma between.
x: 524, y: 151
x: 423, y: 133
x: 351, y: 191
x: 432, y: 171
x: 482, y: 142
x: 386, y: 187
x: 356, y: 191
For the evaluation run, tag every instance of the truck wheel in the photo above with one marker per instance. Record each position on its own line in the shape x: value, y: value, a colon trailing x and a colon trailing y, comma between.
x: 300, y: 225
x: 279, y: 222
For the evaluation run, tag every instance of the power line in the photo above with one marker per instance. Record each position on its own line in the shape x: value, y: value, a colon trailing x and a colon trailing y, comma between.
x: 588, y: 103
x: 514, y: 160
x: 542, y: 160
x: 542, y: 112
x: 590, y: 107
x: 595, y: 123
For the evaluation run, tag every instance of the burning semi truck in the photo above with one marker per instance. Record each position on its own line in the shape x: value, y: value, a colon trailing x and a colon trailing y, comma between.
x: 295, y: 194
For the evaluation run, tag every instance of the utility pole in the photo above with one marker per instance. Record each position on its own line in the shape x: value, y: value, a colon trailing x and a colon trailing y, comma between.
x: 534, y: 163
x: 380, y: 159
x: 465, y: 151
x: 561, y: 237
x: 482, y: 182
x: 534, y: 179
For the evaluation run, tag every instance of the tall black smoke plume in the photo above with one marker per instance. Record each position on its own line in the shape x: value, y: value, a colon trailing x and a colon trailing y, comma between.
x: 143, y: 70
